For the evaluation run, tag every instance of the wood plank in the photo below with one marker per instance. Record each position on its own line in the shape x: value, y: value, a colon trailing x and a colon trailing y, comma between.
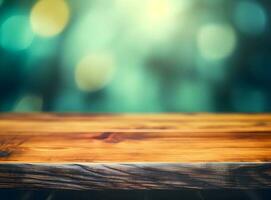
x: 150, y: 151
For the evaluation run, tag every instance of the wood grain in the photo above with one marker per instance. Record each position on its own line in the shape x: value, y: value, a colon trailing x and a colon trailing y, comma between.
x: 169, y: 151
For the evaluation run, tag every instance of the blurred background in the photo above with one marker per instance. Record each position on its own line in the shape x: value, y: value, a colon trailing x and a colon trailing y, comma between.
x: 135, y: 55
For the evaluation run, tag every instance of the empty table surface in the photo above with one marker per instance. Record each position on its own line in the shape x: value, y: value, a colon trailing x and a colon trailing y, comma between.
x: 146, y: 151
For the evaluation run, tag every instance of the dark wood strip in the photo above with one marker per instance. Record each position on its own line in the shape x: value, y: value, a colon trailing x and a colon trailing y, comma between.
x: 136, y: 176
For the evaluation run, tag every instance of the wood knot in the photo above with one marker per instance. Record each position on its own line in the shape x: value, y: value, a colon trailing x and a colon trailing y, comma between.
x: 5, y: 153
x: 261, y: 123
x: 109, y: 137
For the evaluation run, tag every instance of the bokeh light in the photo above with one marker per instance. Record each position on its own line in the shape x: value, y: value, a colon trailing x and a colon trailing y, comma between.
x: 15, y: 33
x: 152, y: 20
x: 94, y: 71
x: 49, y: 17
x: 157, y: 15
x: 95, y: 31
x: 216, y: 41
x: 135, y: 55
x: 29, y: 103
x: 250, y: 17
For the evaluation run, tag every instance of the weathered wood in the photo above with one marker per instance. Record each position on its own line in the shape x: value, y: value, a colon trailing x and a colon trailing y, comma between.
x: 136, y: 176
x: 169, y: 151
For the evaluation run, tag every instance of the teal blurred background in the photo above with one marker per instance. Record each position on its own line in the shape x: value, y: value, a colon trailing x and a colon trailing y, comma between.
x: 135, y: 55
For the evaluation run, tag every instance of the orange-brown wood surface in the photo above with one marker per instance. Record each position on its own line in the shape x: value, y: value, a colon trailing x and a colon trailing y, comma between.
x: 135, y: 138
x: 121, y: 151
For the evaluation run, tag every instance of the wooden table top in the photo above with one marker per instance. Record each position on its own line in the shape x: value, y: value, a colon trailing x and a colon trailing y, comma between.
x: 150, y: 151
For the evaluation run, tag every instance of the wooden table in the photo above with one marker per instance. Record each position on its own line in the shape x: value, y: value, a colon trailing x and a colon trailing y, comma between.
x: 168, y: 151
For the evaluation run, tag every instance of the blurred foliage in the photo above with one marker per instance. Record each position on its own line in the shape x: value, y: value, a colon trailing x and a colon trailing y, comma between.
x: 135, y: 56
